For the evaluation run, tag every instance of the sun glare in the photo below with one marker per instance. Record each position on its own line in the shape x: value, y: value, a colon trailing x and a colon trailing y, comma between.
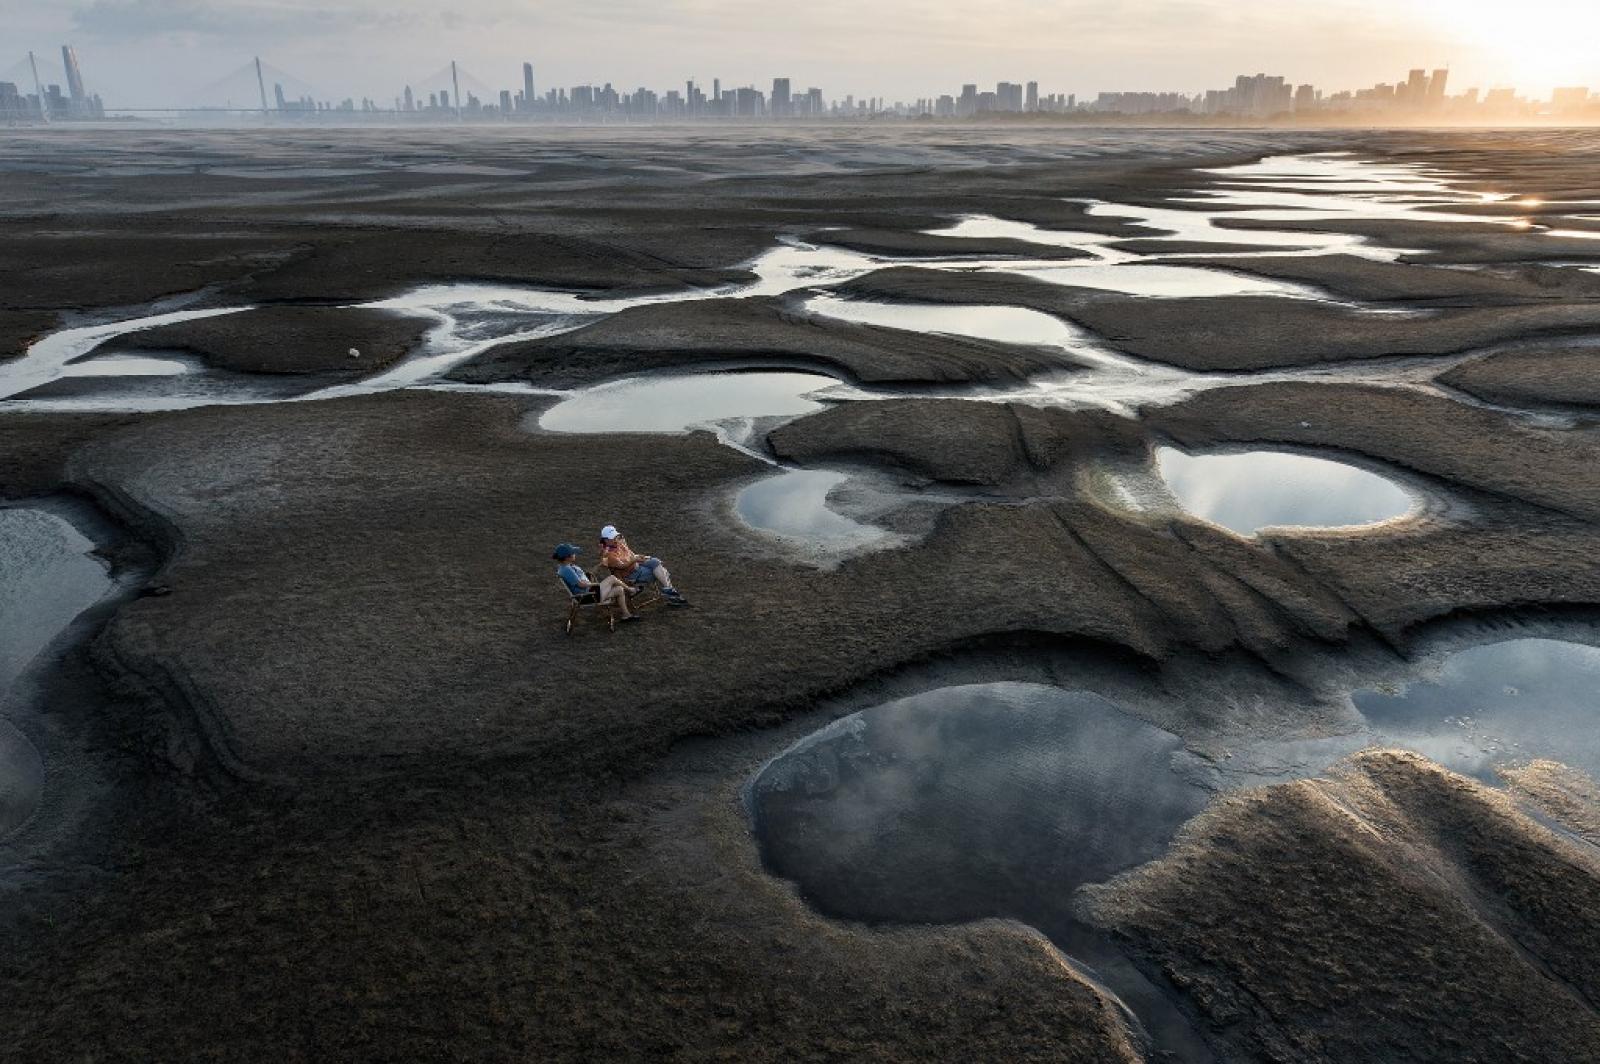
x: 1533, y: 44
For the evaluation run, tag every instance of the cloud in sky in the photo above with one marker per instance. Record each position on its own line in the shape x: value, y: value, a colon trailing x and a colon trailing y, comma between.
x: 158, y: 50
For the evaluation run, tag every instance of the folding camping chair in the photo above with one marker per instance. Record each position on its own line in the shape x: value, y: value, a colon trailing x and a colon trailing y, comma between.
x: 639, y: 597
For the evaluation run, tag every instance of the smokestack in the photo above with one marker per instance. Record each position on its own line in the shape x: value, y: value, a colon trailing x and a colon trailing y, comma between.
x: 456, y: 81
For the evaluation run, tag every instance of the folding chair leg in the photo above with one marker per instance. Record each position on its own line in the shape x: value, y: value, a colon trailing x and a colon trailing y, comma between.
x: 572, y: 617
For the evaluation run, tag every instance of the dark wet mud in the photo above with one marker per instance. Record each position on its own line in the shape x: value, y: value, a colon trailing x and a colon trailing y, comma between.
x: 1203, y: 442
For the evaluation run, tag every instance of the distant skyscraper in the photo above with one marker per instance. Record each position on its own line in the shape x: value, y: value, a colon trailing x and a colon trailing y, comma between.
x: 1033, y: 96
x: 1569, y: 98
x: 1416, y: 88
x: 527, y: 85
x: 1436, y: 86
x: 69, y: 59
x: 410, y: 100
x: 780, y: 97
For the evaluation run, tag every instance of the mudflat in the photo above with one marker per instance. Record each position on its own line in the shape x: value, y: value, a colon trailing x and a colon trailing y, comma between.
x: 325, y: 777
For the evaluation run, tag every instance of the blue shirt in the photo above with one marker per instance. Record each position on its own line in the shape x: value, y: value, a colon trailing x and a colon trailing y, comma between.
x: 576, y: 579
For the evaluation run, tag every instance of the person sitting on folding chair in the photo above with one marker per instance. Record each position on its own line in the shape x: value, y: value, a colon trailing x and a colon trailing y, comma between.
x: 637, y: 569
x: 585, y: 592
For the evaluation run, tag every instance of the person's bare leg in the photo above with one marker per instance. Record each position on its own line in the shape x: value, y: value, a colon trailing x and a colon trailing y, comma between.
x: 613, y: 590
x: 663, y: 577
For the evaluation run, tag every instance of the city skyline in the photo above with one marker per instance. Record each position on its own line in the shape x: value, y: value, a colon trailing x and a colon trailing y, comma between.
x: 161, y: 51
x: 1422, y: 95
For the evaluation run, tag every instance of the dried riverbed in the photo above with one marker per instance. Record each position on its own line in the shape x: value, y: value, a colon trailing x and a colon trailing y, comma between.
x: 1068, y: 506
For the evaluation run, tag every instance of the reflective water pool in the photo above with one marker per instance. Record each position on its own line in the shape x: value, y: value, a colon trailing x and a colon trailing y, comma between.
x: 960, y: 802
x: 793, y: 504
x: 47, y: 578
x: 1247, y: 492
x: 129, y: 366
x: 985, y: 800
x: 1012, y: 325
x: 1144, y: 279
x: 988, y: 227
x: 1489, y: 705
x: 676, y: 404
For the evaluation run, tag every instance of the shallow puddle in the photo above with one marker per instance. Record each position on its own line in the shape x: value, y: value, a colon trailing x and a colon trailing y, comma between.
x: 1247, y: 492
x: 129, y: 366
x: 1171, y: 282
x: 1012, y: 325
x: 793, y: 505
x: 1198, y: 225
x: 792, y: 266
x: 47, y: 578
x: 988, y: 227
x: 1487, y: 706
x: 677, y: 404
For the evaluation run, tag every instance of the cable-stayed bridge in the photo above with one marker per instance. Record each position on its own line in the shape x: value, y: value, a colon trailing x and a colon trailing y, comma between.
x: 257, y: 85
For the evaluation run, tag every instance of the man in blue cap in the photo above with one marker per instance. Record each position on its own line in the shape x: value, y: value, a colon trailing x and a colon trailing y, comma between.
x: 607, y: 592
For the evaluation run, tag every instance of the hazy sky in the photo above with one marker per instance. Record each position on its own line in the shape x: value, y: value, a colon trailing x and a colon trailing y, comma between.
x: 159, y: 51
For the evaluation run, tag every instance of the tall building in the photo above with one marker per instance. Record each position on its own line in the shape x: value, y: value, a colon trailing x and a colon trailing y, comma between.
x: 1260, y: 96
x: 780, y: 98
x: 1032, y: 103
x: 410, y: 100
x: 14, y: 107
x: 1416, y: 88
x: 1436, y: 86
x: 69, y: 60
x: 1569, y: 98
x: 527, y: 85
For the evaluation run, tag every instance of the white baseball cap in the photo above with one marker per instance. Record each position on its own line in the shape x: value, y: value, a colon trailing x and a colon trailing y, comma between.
x: 609, y: 532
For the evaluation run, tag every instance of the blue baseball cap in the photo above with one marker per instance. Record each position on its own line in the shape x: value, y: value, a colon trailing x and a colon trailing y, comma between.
x: 565, y: 551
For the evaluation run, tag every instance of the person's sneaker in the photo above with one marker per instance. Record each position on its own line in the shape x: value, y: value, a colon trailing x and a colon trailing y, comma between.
x: 631, y: 617
x: 675, y: 597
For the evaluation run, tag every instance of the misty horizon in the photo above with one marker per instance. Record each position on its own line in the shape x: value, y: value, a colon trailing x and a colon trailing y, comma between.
x: 161, y: 53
